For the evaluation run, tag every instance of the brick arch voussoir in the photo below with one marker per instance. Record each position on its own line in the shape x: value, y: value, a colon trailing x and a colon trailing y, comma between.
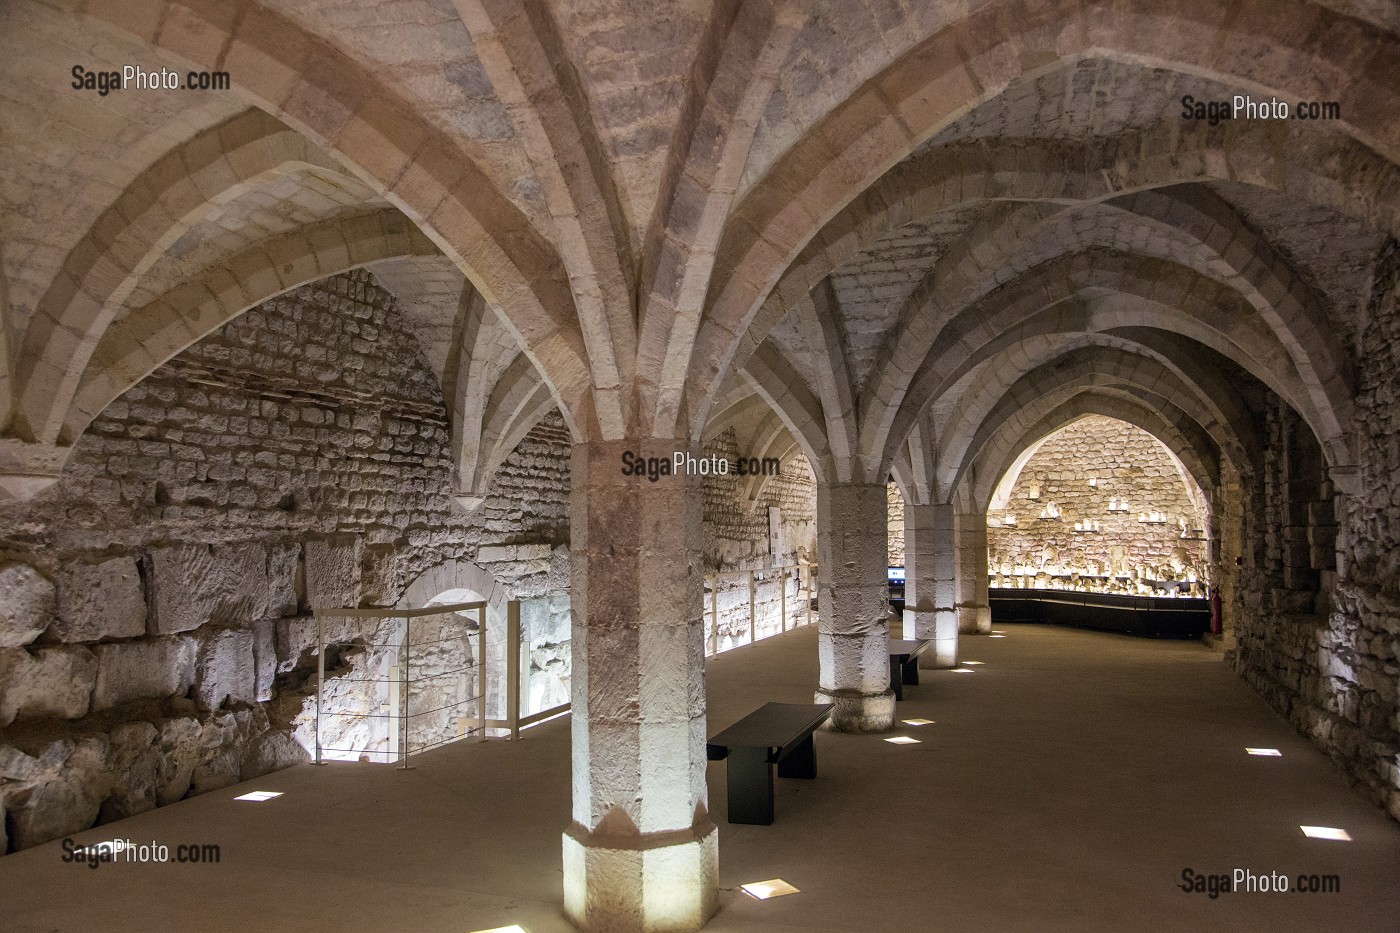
x: 1208, y: 399
x: 455, y: 575
x: 798, y: 407
x: 1300, y: 162
x: 1193, y: 226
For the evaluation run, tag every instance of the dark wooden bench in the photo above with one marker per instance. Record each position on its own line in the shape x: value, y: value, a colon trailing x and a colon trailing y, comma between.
x: 775, y: 733
x: 904, y: 663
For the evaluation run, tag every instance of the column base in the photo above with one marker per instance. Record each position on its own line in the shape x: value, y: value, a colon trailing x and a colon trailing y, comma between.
x: 942, y: 626
x: 648, y: 883
x: 858, y: 712
x: 975, y: 619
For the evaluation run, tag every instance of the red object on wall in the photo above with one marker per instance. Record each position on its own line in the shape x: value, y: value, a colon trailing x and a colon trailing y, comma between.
x: 1214, y: 611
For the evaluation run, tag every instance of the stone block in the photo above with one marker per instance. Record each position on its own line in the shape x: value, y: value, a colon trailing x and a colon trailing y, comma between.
x: 332, y: 571
x: 202, y: 754
x: 57, y: 792
x: 141, y: 670
x: 195, y: 584
x: 180, y: 753
x: 133, y: 759
x: 1300, y: 578
x: 271, y: 751
x: 27, y: 604
x: 97, y: 601
x: 1323, y: 536
x: 49, y: 682
x: 220, y: 770
x: 264, y: 658
x: 226, y: 668
x: 379, y: 575
x: 283, y: 570
x: 1322, y: 513
x: 502, y: 553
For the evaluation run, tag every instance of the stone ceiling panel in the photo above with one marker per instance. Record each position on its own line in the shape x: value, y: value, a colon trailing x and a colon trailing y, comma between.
x: 68, y: 154
x: 282, y: 204
x: 422, y: 50
x: 873, y: 287
x: 1335, y: 253
x: 635, y: 70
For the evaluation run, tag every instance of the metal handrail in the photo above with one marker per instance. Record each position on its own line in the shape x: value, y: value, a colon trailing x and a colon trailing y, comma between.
x: 401, y: 686
x: 713, y: 578
x: 401, y: 683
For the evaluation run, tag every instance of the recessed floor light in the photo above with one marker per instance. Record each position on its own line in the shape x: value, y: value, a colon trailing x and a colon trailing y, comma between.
x: 1326, y: 832
x: 997, y: 635
x: 902, y: 740
x: 917, y: 722
x: 513, y: 928
x: 963, y: 670
x: 258, y: 796
x: 763, y: 890
x: 974, y: 662
x: 1265, y: 752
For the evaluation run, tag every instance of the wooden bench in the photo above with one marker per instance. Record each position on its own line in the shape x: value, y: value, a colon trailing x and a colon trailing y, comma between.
x: 775, y: 733
x: 904, y: 663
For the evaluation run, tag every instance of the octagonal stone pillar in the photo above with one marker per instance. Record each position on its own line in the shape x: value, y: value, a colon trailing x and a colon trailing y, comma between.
x: 852, y: 599
x: 974, y: 605
x: 641, y: 853
x: 930, y: 581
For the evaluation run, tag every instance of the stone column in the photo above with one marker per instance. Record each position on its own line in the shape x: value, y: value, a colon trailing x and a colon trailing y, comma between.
x: 641, y: 853
x: 974, y: 609
x: 930, y: 587
x: 852, y: 599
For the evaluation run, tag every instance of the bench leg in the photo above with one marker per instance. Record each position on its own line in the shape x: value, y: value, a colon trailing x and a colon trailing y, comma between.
x: 897, y: 678
x: 911, y: 672
x: 750, y: 786
x: 801, y: 762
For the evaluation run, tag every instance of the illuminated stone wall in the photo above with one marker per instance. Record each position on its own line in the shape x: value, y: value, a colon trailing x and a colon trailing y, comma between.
x: 895, y: 526
x: 155, y: 633
x: 1318, y: 600
x: 1127, y: 465
x: 737, y: 538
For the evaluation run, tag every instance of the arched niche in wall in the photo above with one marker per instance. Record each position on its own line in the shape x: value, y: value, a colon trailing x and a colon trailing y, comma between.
x: 1099, y: 504
x: 460, y: 581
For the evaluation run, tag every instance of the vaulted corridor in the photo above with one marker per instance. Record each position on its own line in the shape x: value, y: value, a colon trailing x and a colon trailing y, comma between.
x: 1064, y: 785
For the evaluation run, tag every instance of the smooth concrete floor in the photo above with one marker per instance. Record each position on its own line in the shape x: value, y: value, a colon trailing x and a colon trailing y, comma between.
x: 1064, y: 785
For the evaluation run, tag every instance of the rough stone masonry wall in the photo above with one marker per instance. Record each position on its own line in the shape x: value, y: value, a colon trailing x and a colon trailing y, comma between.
x: 1128, y: 463
x: 1319, y: 638
x: 895, y: 525
x: 155, y: 639
x: 737, y: 538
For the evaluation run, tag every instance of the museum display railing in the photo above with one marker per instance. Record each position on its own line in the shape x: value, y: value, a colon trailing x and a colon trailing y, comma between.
x: 519, y: 674
x: 407, y: 680
x: 759, y: 613
x: 383, y: 707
